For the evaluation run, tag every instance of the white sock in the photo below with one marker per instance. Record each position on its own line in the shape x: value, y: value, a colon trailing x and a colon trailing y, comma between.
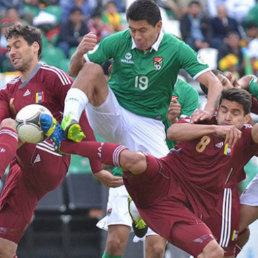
x: 75, y: 103
x: 134, y: 211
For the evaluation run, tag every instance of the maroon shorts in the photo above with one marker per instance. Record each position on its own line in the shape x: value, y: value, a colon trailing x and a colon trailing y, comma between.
x: 26, y: 183
x: 224, y: 220
x: 162, y: 204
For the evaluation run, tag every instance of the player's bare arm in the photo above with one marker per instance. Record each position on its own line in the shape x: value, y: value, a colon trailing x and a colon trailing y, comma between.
x: 107, y: 179
x: 88, y: 43
x: 188, y: 132
x: 214, y: 88
x: 174, y: 110
x: 245, y: 81
x: 255, y: 133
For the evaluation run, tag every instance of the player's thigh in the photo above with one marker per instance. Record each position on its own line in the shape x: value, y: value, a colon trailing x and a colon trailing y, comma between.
x: 248, y: 214
x: 17, y: 204
x: 106, y: 119
x: 145, y: 134
x: 192, y: 237
x: 224, y: 220
x: 117, y: 207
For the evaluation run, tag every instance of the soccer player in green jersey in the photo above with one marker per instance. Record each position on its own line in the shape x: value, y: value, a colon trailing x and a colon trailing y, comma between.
x: 130, y: 108
x: 185, y: 100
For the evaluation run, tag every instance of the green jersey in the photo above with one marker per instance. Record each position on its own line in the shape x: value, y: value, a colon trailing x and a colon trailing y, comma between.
x: 188, y: 98
x: 143, y: 80
x: 253, y: 87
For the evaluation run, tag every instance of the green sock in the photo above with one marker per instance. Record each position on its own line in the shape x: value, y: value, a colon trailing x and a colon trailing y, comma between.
x: 106, y: 255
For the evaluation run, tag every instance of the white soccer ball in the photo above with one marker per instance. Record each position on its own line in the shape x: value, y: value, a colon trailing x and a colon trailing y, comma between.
x: 27, y: 123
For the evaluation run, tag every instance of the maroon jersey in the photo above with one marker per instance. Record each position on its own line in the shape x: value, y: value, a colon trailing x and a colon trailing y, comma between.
x: 203, y: 166
x: 47, y: 86
x: 254, y: 108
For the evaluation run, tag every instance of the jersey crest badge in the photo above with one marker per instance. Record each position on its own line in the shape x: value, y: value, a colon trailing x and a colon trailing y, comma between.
x: 228, y: 150
x: 40, y: 97
x: 157, y: 62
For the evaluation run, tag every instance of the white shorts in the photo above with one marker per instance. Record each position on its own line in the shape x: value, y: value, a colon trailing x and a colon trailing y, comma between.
x: 117, y: 210
x: 250, y: 194
x: 116, y: 124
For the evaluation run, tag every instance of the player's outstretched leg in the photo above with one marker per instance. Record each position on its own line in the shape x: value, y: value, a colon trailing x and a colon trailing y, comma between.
x: 140, y: 228
x: 72, y: 129
x: 52, y: 130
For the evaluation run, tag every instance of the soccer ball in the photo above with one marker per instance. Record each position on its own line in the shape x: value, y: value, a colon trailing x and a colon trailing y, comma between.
x: 27, y: 123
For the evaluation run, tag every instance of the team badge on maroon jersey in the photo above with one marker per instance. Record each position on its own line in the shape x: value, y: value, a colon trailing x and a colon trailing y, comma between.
x: 228, y: 150
x: 40, y: 97
x: 157, y: 62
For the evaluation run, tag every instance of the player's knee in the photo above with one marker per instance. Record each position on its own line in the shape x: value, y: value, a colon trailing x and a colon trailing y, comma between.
x: 134, y: 162
x: 92, y: 70
x: 213, y: 250
x: 8, y: 122
x: 7, y: 248
x: 115, y: 245
x: 156, y: 250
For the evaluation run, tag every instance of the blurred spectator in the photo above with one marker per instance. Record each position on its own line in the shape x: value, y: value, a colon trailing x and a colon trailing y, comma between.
x: 4, y: 23
x: 98, y: 27
x: 87, y: 7
x: 252, y: 45
x: 221, y: 26
x: 112, y: 17
x: 252, y: 15
x: 184, y: 5
x: 72, y: 31
x: 230, y: 56
x: 239, y: 8
x: 14, y: 17
x: 171, y: 8
x: 5, y: 5
x: 195, y: 27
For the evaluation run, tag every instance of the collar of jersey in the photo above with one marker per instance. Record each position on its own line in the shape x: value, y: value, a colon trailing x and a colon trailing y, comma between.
x: 155, y: 46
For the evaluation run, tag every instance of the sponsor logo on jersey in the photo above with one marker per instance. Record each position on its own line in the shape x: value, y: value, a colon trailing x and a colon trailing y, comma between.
x: 37, y: 159
x: 40, y: 97
x: 201, y: 60
x: 100, y: 149
x: 157, y: 62
x: 2, y: 150
x: 219, y: 145
x: 26, y: 93
x: 127, y: 59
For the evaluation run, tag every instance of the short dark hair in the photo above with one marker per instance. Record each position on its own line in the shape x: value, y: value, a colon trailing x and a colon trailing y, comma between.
x: 203, y: 87
x: 194, y: 3
x: 29, y: 33
x: 240, y: 96
x: 76, y: 9
x: 146, y: 10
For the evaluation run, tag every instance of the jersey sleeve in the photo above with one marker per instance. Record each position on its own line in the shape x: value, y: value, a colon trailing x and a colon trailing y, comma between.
x: 188, y: 98
x: 105, y: 50
x: 96, y: 165
x: 4, y: 105
x: 253, y: 87
x: 190, y: 61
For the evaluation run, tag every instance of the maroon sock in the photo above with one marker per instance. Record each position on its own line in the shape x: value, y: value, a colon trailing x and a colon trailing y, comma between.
x: 107, y: 153
x: 8, y: 146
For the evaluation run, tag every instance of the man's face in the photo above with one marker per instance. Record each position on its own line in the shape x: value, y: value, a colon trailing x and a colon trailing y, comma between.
x: 21, y: 54
x: 231, y: 113
x: 144, y: 34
